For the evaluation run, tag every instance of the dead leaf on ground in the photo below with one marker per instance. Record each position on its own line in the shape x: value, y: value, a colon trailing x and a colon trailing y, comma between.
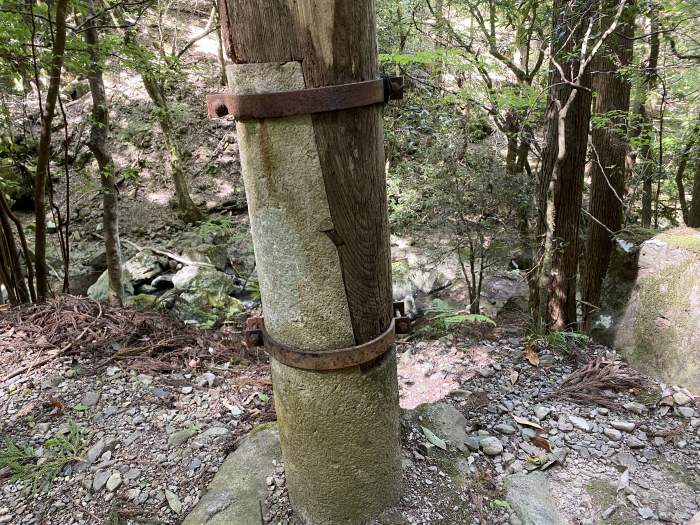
x: 526, y: 422
x: 514, y: 377
x: 532, y: 356
x: 56, y: 408
x: 542, y: 442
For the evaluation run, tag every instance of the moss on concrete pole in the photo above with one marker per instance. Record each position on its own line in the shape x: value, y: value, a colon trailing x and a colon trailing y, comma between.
x: 317, y: 203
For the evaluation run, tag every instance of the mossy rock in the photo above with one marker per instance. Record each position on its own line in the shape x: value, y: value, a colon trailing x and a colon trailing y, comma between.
x: 207, y: 308
x: 141, y: 301
x: 660, y: 329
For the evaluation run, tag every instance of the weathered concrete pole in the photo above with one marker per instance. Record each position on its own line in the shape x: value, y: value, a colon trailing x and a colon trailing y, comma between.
x: 317, y: 203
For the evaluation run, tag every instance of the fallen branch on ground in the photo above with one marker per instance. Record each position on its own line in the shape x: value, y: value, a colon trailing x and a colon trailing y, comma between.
x: 588, y: 383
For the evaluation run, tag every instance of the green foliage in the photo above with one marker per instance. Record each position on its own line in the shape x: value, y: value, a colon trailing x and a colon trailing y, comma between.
x: 215, y: 227
x: 564, y: 341
x: 59, y: 451
x: 446, y: 317
x: 253, y: 288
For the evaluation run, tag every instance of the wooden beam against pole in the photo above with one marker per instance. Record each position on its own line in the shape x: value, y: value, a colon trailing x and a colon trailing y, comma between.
x: 317, y: 203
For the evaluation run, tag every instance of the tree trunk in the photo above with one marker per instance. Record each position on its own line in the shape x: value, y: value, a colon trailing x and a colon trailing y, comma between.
x: 220, y: 49
x: 317, y: 203
x: 563, y: 166
x: 694, y: 212
x: 610, y: 146
x: 651, y: 80
x: 26, y: 254
x: 42, y: 164
x: 10, y: 267
x: 680, y: 171
x: 187, y: 209
x: 99, y: 131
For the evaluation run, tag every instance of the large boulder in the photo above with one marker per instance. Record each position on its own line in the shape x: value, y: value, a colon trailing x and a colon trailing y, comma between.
x: 98, y: 291
x: 618, y: 284
x: 240, y: 487
x: 140, y: 269
x: 659, y: 331
x: 504, y: 290
x: 203, y: 278
x: 206, y: 308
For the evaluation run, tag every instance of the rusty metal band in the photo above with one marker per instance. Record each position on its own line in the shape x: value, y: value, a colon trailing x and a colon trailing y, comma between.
x: 330, y: 359
x: 305, y: 101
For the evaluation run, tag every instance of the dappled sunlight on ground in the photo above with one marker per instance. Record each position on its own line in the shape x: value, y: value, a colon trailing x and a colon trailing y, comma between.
x: 127, y: 83
x: 162, y: 197
x: 206, y: 45
x: 429, y: 371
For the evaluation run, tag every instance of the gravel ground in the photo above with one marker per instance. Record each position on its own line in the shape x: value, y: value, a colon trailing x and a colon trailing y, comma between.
x: 114, y: 445
x: 648, y: 472
x: 124, y: 447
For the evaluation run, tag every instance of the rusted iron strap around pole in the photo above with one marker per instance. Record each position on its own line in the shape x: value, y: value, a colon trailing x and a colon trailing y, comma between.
x: 305, y: 101
x: 256, y: 335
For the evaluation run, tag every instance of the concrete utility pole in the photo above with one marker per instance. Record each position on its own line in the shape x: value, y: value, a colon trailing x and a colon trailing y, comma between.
x: 317, y: 203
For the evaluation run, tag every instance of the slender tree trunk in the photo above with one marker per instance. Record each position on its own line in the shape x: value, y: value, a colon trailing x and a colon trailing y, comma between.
x: 563, y: 168
x: 317, y: 202
x: 99, y: 132
x: 680, y: 171
x: 42, y: 164
x: 11, y: 271
x: 187, y: 209
x: 651, y: 81
x: 220, y: 49
x: 26, y: 254
x: 694, y: 212
x: 609, y: 144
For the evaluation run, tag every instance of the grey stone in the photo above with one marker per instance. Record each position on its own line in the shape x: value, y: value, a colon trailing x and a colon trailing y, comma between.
x: 445, y: 421
x: 233, y: 495
x: 633, y: 442
x: 624, y: 426
x: 114, y: 481
x: 491, y: 446
x: 637, y: 408
x: 531, y: 500
x: 542, y: 412
x: 681, y: 398
x: 580, y: 423
x: 95, y: 451
x: 472, y: 443
x: 181, y: 436
x: 486, y: 371
x: 504, y: 429
x: 613, y: 434
x: 625, y: 460
x: 173, y: 501
x: 212, y: 434
x: 90, y: 399
x: 686, y: 412
x: 100, y: 480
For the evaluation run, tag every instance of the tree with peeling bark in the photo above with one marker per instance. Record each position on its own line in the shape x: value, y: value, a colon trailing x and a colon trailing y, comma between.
x: 609, y: 145
x: 98, y: 143
x: 564, y: 158
x: 317, y: 203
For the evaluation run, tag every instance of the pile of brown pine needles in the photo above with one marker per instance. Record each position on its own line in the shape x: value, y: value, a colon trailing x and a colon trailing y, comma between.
x: 69, y: 325
x: 589, y: 383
